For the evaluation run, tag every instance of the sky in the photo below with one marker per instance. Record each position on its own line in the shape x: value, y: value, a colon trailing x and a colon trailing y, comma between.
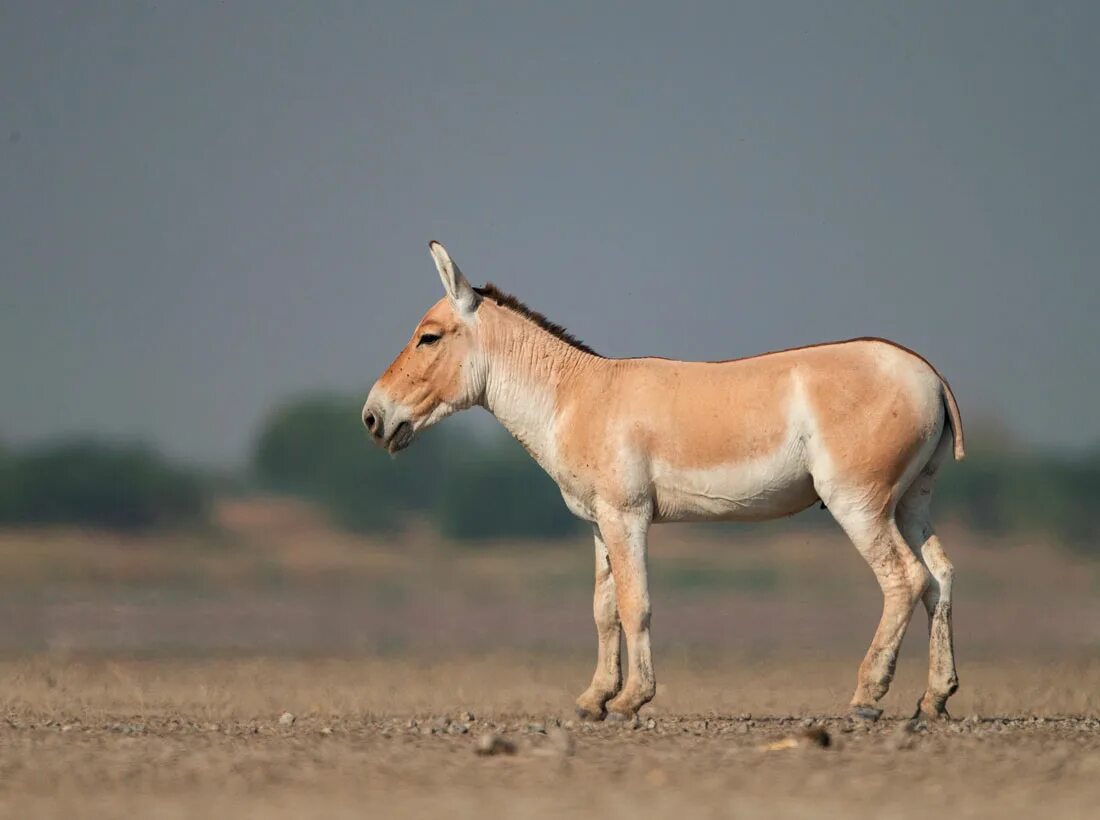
x: 210, y: 207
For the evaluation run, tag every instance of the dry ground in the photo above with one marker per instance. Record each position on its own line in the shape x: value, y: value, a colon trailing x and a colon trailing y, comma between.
x: 395, y: 737
x: 374, y: 643
x: 274, y: 577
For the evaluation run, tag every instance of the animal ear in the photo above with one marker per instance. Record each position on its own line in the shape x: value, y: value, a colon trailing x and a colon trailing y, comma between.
x: 459, y: 291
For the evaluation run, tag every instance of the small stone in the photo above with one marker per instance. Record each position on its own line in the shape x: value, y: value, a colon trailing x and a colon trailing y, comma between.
x: 651, y: 724
x: 809, y: 738
x: 491, y: 743
x: 458, y: 728
x: 467, y: 717
x: 817, y: 736
x: 286, y: 719
x: 440, y: 724
x: 68, y: 727
x: 807, y: 722
x: 326, y: 730
x: 536, y: 728
x: 744, y: 716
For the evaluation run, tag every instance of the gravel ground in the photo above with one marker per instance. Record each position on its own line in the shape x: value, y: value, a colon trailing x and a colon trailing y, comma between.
x: 493, y: 736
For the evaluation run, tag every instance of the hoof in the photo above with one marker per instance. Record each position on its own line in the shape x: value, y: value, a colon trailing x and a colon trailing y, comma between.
x: 590, y: 716
x: 930, y: 713
x: 866, y: 713
x: 626, y: 719
x: 931, y: 710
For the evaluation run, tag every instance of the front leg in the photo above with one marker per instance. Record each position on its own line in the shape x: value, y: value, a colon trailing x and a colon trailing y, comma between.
x: 625, y: 536
x: 608, y: 678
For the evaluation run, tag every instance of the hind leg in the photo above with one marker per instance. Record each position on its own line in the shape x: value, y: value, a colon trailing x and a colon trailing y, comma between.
x: 916, y: 525
x: 903, y: 580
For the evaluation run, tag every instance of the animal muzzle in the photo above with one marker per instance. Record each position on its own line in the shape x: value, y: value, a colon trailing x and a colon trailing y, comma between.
x: 386, y: 424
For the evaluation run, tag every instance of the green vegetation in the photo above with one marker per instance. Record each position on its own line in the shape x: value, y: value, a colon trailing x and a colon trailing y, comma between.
x: 121, y: 487
x: 316, y: 447
x: 495, y: 490
x: 1029, y: 493
x: 470, y: 486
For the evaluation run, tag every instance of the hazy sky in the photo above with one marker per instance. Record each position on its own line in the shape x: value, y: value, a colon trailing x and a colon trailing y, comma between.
x: 209, y: 206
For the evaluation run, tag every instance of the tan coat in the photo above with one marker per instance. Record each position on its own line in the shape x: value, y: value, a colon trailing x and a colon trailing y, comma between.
x: 861, y: 425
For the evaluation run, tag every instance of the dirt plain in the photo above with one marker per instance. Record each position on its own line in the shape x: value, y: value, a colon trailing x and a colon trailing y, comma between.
x: 148, y: 677
x: 396, y: 737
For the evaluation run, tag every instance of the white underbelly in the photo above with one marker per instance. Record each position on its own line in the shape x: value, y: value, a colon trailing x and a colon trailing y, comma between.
x: 747, y: 491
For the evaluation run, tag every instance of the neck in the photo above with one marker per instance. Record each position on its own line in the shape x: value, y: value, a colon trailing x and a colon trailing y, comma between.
x: 528, y: 372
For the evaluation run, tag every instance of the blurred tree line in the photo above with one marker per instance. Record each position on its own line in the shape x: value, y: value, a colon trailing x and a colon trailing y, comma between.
x: 317, y: 448
x: 92, y: 483
x: 471, y: 486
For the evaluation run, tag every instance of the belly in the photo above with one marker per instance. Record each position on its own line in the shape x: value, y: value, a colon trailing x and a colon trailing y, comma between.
x: 747, y: 491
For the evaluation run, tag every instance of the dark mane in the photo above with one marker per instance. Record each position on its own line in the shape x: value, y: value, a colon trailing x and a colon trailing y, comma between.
x: 507, y: 300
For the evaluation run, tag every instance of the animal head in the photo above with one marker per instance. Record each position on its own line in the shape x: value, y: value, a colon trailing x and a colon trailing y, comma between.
x: 438, y: 372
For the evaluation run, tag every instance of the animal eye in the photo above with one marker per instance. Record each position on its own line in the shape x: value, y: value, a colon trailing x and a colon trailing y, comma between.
x: 428, y: 339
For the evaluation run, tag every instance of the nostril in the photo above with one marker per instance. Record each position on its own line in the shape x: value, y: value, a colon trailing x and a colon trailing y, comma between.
x: 374, y: 423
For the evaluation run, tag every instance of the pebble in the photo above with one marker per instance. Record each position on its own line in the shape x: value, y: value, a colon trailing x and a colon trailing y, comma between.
x: 286, y: 719
x: 817, y: 737
x: 810, y: 738
x: 490, y: 744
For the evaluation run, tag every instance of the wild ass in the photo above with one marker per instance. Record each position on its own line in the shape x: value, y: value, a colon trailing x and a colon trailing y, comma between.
x: 860, y: 425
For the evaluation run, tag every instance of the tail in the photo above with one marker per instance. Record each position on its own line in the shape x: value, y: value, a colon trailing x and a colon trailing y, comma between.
x: 955, y: 419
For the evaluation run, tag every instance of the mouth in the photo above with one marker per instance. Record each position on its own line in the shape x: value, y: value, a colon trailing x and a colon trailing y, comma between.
x: 400, y: 438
